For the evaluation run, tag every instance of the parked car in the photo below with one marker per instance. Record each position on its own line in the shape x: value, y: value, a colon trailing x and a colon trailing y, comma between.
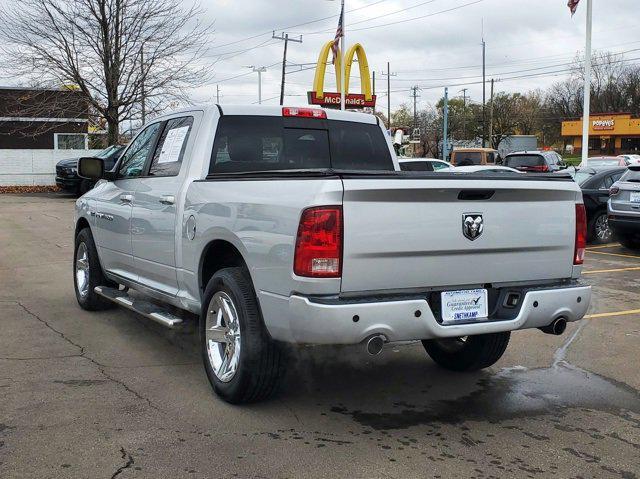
x: 67, y: 170
x: 535, y: 161
x: 474, y: 156
x: 624, y: 208
x: 631, y: 159
x: 278, y: 224
x: 486, y: 169
x: 608, y: 161
x: 423, y: 164
x: 595, y: 184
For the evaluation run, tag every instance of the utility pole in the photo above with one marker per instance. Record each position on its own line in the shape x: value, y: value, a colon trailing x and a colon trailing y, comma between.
x: 587, y: 88
x: 143, y: 103
x: 464, y: 112
x: 285, y: 37
x: 388, y: 74
x: 259, y: 71
x: 491, y: 117
x: 484, y: 94
x: 415, y: 96
x: 445, y: 126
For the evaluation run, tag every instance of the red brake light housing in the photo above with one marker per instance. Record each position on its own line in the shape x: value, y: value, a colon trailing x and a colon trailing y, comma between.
x: 304, y: 112
x: 614, y: 190
x: 318, y: 252
x: 581, y: 234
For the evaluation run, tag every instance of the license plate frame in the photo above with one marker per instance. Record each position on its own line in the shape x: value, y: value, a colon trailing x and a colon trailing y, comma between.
x: 634, y: 197
x: 464, y: 306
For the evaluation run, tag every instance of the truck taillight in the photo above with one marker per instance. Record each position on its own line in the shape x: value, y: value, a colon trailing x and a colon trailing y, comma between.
x: 318, y: 251
x: 581, y: 234
x: 304, y: 112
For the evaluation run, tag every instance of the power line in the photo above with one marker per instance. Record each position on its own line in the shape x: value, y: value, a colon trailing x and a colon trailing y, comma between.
x: 404, y: 21
x: 295, y: 26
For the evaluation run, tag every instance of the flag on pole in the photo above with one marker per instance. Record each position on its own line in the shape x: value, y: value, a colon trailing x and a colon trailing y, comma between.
x: 339, y: 34
x: 573, y: 6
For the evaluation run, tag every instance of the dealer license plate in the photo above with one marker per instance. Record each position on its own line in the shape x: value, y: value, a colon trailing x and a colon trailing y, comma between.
x: 464, y: 306
x: 635, y: 197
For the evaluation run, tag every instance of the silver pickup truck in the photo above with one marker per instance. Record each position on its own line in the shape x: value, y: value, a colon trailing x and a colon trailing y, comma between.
x: 294, y: 225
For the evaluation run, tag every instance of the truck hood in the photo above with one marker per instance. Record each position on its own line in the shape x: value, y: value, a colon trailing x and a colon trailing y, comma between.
x: 68, y: 163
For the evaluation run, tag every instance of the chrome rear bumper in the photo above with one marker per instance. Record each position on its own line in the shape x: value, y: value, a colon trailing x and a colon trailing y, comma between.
x: 301, y: 319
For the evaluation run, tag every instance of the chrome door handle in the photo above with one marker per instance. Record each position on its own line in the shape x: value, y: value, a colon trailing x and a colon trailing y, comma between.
x: 167, y: 199
x: 126, y: 199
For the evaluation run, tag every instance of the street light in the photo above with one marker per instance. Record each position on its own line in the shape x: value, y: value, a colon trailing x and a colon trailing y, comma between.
x: 259, y: 71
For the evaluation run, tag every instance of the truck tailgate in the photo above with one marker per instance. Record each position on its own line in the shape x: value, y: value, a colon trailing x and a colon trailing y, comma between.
x: 406, y: 233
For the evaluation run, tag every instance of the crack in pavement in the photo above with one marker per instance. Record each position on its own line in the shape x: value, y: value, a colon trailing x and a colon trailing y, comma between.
x: 129, y: 462
x: 82, y: 354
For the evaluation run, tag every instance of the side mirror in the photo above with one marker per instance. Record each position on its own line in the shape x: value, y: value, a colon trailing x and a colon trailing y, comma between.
x: 93, y: 169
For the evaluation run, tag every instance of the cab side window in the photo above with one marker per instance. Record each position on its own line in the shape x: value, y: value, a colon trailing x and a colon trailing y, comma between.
x: 134, y: 159
x: 172, y: 143
x: 491, y: 158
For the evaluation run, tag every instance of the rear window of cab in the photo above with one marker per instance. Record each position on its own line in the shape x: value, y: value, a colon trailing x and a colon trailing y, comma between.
x: 267, y: 143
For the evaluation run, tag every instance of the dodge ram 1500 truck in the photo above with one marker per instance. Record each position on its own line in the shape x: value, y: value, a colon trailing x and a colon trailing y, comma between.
x: 294, y: 225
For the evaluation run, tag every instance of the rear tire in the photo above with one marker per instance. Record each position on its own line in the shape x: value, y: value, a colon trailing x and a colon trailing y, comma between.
x: 232, y: 330
x: 599, y: 229
x: 87, y: 273
x: 470, y: 353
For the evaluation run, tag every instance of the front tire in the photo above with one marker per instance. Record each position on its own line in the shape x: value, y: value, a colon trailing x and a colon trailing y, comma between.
x: 87, y: 273
x: 469, y: 353
x: 242, y: 362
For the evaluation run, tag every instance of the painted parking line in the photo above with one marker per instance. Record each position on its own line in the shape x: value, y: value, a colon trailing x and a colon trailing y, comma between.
x: 614, y: 254
x: 613, y: 313
x: 615, y: 270
x: 611, y: 245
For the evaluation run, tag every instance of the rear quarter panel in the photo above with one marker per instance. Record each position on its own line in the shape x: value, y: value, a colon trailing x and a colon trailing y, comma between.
x: 260, y: 218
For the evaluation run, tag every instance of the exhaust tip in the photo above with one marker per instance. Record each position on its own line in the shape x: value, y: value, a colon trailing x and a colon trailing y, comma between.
x: 557, y: 327
x: 375, y: 345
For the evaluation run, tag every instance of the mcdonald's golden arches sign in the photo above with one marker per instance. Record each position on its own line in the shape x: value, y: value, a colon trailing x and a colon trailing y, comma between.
x: 365, y: 98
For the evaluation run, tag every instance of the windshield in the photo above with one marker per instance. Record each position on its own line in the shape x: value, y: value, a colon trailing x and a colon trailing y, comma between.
x: 582, y: 176
x: 467, y: 158
x: 108, y: 151
x: 519, y: 161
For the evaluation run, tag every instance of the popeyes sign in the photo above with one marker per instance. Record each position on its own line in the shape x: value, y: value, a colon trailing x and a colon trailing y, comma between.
x: 599, y: 125
x: 332, y: 99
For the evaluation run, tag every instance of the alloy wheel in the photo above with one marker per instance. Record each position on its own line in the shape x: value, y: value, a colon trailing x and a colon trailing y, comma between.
x: 222, y: 335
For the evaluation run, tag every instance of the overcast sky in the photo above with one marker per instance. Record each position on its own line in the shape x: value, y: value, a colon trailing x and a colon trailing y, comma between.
x: 430, y: 43
x: 523, y: 36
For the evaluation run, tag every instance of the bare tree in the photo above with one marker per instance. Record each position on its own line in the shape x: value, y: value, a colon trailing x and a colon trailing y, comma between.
x: 120, y: 54
x: 505, y: 116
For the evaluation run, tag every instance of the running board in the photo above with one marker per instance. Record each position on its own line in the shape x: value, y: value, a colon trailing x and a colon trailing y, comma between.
x: 147, y: 309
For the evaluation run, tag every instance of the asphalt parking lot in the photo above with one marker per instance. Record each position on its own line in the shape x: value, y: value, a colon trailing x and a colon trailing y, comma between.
x: 105, y: 395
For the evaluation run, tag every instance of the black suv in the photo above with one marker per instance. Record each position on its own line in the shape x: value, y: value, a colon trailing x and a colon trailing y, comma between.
x: 67, y: 170
x: 535, y: 161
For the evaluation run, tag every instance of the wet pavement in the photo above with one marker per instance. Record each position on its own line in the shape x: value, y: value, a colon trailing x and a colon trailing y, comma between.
x: 110, y: 394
